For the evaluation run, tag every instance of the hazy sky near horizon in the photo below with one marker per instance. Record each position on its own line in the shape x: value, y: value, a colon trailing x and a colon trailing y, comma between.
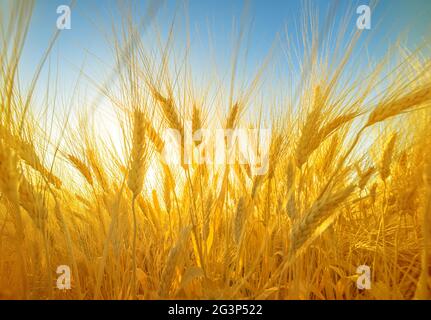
x: 87, y: 43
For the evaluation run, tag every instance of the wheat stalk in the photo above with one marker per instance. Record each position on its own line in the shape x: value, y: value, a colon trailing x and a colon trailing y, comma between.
x: 319, y: 211
x: 391, y: 108
x: 138, y: 164
x: 385, y: 166
x: 240, y: 219
x: 423, y: 289
x: 81, y: 167
x: 173, y: 260
x: 33, y: 202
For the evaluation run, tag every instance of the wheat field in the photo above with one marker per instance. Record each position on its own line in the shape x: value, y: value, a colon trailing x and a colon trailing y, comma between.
x: 348, y: 181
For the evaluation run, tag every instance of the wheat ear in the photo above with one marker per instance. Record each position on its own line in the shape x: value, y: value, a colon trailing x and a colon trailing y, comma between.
x: 305, y: 229
x: 136, y: 176
x: 82, y: 168
x: 388, y: 109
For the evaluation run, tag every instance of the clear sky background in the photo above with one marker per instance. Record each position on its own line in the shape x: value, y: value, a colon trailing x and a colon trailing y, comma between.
x: 86, y: 43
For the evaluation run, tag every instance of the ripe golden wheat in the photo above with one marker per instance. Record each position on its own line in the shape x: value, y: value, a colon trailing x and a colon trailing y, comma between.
x: 347, y: 185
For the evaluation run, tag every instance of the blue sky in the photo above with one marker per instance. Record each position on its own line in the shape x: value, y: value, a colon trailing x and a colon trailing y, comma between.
x: 92, y: 20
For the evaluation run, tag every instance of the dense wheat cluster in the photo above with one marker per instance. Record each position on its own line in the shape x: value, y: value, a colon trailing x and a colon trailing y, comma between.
x: 348, y: 183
